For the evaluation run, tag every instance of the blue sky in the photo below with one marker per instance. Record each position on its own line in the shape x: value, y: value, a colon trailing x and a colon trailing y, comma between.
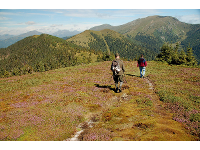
x: 18, y: 19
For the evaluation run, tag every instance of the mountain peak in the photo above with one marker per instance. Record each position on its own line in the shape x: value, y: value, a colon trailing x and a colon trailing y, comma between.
x: 64, y: 33
x: 101, y: 27
x: 30, y: 33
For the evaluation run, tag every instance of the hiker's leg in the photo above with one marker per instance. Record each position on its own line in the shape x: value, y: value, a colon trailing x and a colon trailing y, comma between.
x: 143, y: 69
x: 116, y: 83
x: 120, y: 86
x: 140, y: 71
x: 121, y: 83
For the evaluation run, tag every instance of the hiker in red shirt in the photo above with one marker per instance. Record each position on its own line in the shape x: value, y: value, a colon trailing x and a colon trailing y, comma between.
x: 142, y: 63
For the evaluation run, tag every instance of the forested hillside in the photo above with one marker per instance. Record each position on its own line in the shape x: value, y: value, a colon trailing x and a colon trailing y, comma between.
x: 176, y: 56
x: 193, y: 39
x: 111, y: 41
x: 41, y: 53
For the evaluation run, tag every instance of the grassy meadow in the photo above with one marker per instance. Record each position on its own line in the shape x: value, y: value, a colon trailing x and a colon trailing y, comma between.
x: 179, y: 88
x: 49, y: 106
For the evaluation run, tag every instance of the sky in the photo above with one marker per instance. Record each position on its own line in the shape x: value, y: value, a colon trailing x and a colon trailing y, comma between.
x: 17, y: 19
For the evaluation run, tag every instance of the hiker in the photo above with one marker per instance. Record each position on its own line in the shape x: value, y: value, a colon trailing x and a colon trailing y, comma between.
x: 118, y: 69
x: 142, y: 63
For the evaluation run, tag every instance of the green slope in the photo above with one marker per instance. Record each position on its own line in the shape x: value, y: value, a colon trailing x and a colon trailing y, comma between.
x: 41, y: 53
x: 111, y: 41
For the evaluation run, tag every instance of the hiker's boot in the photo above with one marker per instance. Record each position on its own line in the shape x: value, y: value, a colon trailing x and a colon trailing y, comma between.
x: 120, y: 87
x: 116, y: 87
x: 116, y: 90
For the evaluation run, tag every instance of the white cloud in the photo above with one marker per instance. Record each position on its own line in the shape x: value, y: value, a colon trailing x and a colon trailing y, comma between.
x: 3, y: 18
x: 107, y: 13
x: 3, y: 30
x: 132, y: 12
x: 192, y: 19
x: 111, y: 16
x: 30, y: 23
x: 81, y: 27
x: 87, y: 13
x: 56, y: 25
x: 49, y: 29
x: 7, y: 13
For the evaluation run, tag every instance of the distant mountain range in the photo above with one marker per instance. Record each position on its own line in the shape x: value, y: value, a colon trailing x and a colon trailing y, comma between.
x: 7, y: 40
x: 65, y: 33
x: 5, y: 36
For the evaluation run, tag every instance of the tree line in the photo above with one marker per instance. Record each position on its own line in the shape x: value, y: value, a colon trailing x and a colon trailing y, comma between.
x: 46, y: 52
x: 176, y: 55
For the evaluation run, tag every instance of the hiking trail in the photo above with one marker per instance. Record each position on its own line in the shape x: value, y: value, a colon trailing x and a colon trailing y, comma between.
x: 135, y: 114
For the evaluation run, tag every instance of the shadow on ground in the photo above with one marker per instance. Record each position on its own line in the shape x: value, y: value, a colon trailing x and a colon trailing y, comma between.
x: 105, y: 87
x: 132, y: 75
x: 108, y: 87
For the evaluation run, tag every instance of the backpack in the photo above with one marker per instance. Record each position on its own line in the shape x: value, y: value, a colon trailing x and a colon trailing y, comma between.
x: 115, y: 67
x: 141, y: 62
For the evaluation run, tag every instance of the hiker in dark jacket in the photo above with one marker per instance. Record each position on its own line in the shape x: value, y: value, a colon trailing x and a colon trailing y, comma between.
x: 118, y: 74
x: 142, y: 63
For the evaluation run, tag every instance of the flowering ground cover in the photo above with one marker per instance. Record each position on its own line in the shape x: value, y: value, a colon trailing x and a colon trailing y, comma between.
x: 179, y: 88
x: 49, y: 106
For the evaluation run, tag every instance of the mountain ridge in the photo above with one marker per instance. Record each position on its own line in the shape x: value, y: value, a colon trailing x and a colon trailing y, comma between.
x: 65, y: 33
x: 110, y: 41
x: 154, y: 31
x: 7, y: 40
x: 145, y: 24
